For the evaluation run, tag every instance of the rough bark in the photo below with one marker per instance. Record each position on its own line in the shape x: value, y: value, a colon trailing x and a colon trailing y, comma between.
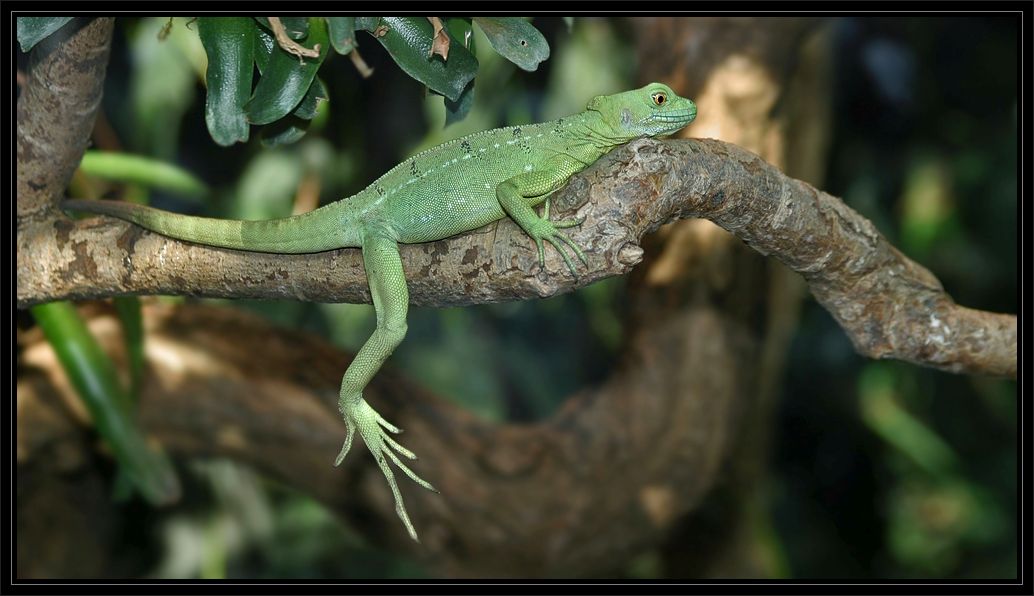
x: 56, y: 111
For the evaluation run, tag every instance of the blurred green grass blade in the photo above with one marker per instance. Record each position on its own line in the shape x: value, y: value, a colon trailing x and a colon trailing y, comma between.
x: 229, y: 43
x: 32, y: 30
x: 342, y: 33
x: 897, y: 426
x: 516, y: 40
x: 131, y: 319
x: 93, y: 376
x: 286, y: 79
x: 123, y: 167
x: 408, y: 40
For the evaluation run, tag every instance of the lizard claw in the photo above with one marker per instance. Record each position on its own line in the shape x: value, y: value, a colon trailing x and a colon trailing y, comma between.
x: 360, y: 416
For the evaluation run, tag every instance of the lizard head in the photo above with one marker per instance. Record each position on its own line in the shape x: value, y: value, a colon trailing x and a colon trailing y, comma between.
x: 649, y: 111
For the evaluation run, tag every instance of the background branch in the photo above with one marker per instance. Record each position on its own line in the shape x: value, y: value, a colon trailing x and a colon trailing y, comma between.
x: 623, y: 462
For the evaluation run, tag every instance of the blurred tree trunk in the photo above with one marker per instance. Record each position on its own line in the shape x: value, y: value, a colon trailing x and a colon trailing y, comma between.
x: 762, y: 83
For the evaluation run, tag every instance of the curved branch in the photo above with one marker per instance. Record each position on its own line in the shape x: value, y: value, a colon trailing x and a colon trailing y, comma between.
x: 890, y: 306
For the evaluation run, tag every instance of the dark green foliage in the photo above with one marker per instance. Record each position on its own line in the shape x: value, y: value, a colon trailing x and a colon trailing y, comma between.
x: 236, y: 45
x: 286, y: 78
x: 408, y: 40
x: 342, y: 33
x: 293, y: 127
x: 285, y: 96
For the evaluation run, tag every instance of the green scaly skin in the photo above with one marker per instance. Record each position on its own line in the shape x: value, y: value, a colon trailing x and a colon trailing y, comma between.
x: 453, y: 188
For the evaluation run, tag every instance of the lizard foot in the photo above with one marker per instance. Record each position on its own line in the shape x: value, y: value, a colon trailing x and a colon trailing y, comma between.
x: 359, y: 415
x: 544, y: 229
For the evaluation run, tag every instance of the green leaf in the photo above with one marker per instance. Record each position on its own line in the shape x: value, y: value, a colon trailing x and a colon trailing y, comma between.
x: 569, y: 21
x: 32, y: 30
x: 92, y: 374
x: 265, y: 43
x: 153, y: 173
x: 516, y: 40
x: 342, y: 33
x: 296, y: 27
x: 408, y: 40
x: 317, y: 93
x: 457, y: 110
x: 229, y: 43
x: 285, y: 131
x: 286, y: 78
x: 292, y: 128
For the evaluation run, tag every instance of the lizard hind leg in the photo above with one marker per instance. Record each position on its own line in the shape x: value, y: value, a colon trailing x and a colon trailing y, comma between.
x: 515, y: 194
x: 391, y: 302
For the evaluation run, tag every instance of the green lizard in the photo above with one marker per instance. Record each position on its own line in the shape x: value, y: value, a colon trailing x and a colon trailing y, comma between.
x: 453, y: 188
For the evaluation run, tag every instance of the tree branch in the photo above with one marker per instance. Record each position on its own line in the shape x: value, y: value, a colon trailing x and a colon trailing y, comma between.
x: 56, y: 111
x: 890, y: 306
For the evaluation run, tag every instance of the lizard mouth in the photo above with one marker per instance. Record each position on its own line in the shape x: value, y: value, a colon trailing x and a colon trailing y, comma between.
x: 674, y: 120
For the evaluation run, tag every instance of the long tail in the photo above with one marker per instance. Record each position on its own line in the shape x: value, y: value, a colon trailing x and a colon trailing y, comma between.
x: 326, y: 228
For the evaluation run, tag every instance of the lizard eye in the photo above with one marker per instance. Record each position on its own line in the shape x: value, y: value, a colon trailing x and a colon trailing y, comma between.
x: 659, y: 98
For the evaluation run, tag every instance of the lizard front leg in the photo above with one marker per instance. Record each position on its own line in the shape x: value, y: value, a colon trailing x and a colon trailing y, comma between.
x: 517, y: 196
x: 391, y: 301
